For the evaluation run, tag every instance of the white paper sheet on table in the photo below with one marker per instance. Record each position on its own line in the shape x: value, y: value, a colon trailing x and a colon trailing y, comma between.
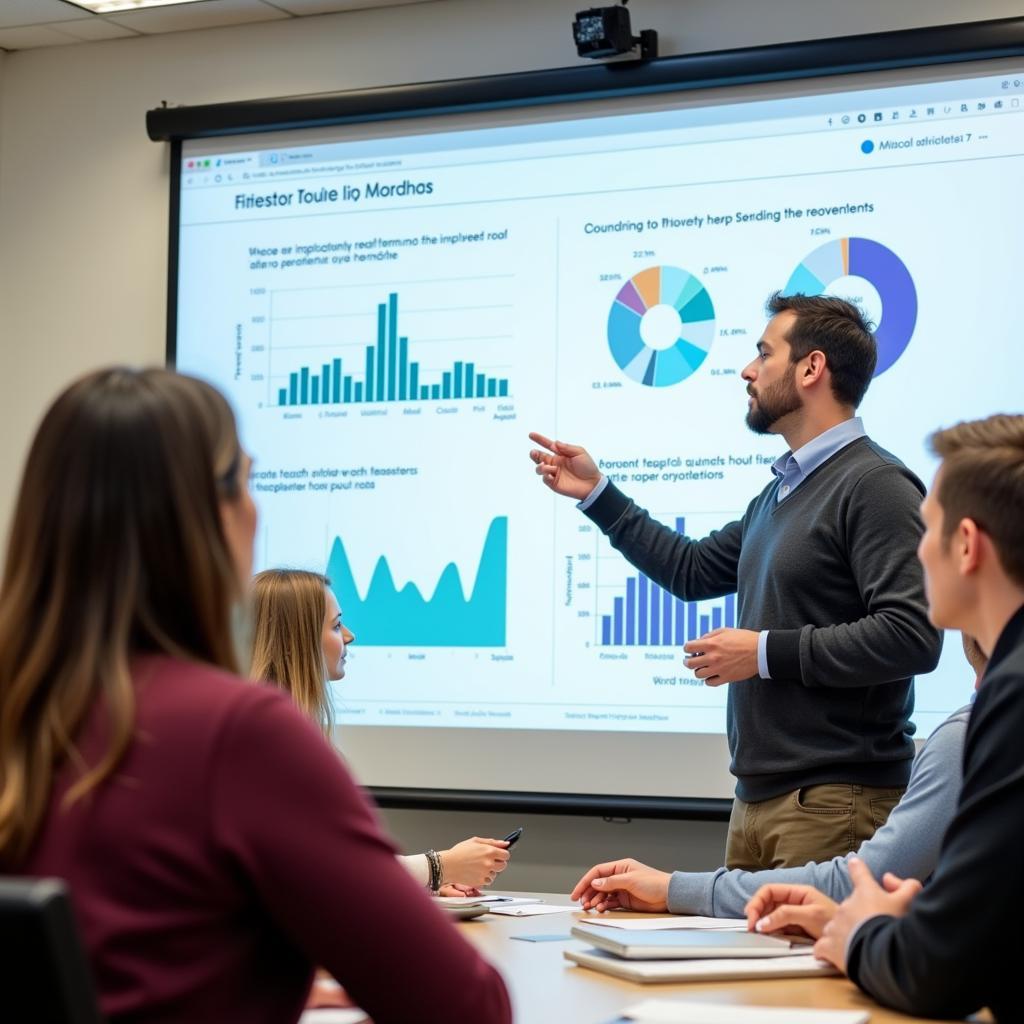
x: 679, y: 922
x: 333, y: 1015
x: 665, y: 1011
x: 502, y: 901
x: 533, y: 910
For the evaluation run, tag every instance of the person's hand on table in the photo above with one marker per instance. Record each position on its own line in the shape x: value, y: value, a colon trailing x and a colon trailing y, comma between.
x: 475, y: 862
x: 565, y: 468
x: 789, y: 909
x: 868, y: 899
x: 724, y: 655
x: 623, y: 884
x: 455, y: 889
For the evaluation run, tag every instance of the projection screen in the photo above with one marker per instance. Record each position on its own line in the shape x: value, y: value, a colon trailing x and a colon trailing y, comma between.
x: 392, y: 303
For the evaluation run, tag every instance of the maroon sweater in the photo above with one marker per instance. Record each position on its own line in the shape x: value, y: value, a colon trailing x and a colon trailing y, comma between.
x: 232, y: 852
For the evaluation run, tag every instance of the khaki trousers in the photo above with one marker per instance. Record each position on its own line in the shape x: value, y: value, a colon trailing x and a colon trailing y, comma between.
x: 815, y: 823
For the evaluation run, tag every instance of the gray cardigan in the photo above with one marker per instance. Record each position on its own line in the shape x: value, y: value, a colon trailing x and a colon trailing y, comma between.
x: 832, y: 574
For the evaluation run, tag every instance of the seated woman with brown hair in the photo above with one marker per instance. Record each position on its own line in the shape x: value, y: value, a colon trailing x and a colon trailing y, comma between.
x: 300, y: 643
x: 214, y: 847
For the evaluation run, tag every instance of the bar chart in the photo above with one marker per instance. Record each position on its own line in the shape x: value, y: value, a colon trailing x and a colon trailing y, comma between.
x: 385, y: 368
x: 646, y: 615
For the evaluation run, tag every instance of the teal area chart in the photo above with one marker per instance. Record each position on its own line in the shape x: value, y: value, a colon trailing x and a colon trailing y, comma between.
x: 884, y: 270
x: 388, y: 617
x: 661, y: 326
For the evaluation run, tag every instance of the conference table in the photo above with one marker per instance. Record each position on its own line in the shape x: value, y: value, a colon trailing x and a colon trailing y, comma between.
x: 547, y: 988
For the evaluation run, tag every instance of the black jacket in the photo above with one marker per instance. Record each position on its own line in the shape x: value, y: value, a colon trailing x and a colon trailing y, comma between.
x: 961, y: 946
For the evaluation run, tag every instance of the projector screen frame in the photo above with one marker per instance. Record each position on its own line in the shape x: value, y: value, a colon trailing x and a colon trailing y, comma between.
x: 934, y: 46
x: 876, y: 51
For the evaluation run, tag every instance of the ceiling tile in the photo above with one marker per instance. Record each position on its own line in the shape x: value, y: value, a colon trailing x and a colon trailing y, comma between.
x: 17, y: 13
x: 93, y: 29
x: 210, y: 14
x: 330, y: 6
x: 32, y: 36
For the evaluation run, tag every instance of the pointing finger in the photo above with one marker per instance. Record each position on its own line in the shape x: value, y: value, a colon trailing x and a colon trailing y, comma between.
x: 567, y: 449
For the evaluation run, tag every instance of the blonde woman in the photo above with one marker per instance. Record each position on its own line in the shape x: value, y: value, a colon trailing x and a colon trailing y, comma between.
x: 300, y: 644
x: 211, y: 842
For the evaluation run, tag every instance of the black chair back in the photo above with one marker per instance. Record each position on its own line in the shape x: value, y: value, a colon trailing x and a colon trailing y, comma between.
x: 44, y: 973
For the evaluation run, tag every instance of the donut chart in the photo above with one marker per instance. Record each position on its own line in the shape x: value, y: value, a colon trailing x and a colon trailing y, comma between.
x: 886, y: 272
x: 683, y: 340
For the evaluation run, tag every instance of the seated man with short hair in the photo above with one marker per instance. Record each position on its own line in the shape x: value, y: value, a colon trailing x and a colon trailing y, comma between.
x: 957, y: 946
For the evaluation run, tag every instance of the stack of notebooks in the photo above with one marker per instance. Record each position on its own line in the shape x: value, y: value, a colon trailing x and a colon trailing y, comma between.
x: 678, y: 952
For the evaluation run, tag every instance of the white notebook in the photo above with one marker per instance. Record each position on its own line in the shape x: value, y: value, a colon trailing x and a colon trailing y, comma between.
x: 645, y: 971
x: 680, y: 922
x: 688, y: 945
x: 665, y: 1011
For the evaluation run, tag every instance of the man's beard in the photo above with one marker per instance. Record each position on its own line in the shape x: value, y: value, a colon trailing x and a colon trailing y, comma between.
x: 772, y: 403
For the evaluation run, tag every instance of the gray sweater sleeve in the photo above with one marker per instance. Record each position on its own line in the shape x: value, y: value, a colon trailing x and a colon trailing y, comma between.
x: 907, y: 844
x: 690, y: 569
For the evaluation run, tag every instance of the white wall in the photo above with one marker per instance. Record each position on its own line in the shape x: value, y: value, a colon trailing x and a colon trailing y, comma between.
x: 83, y: 217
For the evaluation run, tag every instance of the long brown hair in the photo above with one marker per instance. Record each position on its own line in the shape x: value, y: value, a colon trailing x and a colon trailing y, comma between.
x: 289, y: 606
x: 116, y: 548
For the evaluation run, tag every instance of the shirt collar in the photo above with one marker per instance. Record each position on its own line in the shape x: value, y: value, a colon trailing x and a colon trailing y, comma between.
x: 820, y: 448
x: 1009, y: 639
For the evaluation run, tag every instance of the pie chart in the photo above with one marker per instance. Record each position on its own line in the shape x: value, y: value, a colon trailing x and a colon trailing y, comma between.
x: 661, y: 326
x: 883, y: 270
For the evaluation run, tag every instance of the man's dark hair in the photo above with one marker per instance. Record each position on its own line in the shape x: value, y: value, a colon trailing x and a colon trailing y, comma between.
x: 840, y: 330
x: 982, y: 478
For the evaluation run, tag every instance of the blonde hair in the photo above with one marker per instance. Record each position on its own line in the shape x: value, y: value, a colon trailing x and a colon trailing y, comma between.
x: 289, y: 606
x: 117, y: 544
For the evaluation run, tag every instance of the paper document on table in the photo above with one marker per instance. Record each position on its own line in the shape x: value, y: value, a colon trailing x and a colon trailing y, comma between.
x: 501, y: 901
x: 665, y: 1011
x: 678, y: 922
x: 533, y: 910
x: 333, y: 1015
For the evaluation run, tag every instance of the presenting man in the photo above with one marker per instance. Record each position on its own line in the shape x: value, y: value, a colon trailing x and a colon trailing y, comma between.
x: 831, y: 607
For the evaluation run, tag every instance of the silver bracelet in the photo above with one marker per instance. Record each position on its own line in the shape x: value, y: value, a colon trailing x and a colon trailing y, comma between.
x: 434, y: 862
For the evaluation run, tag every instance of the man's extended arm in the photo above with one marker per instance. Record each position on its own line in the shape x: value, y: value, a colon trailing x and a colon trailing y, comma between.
x: 690, y: 569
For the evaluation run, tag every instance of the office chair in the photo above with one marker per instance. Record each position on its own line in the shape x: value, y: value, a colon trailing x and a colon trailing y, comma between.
x: 44, y: 971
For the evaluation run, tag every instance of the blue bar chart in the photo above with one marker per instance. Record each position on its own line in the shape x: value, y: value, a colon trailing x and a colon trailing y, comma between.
x: 387, y: 372
x: 647, y: 615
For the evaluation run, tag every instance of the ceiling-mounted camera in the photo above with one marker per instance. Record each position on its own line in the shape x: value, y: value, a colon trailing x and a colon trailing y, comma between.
x: 606, y: 32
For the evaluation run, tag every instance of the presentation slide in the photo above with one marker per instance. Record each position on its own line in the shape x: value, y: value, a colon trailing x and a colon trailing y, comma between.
x: 390, y: 317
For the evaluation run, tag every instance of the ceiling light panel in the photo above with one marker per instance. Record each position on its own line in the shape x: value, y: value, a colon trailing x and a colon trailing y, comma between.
x: 121, y: 6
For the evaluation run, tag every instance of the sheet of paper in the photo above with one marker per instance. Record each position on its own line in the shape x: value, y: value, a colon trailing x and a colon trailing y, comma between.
x: 333, y: 1016
x: 666, y: 1011
x: 546, y: 937
x: 533, y: 910
x: 677, y: 922
x: 504, y: 901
